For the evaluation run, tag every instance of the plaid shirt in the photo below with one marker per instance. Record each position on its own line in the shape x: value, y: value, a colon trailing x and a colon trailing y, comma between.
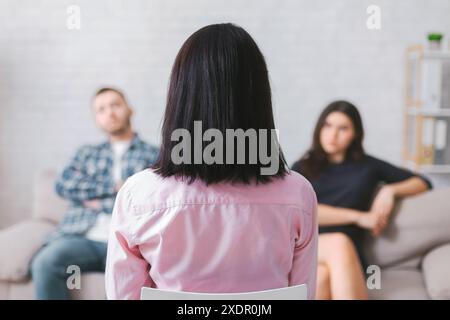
x: 89, y: 176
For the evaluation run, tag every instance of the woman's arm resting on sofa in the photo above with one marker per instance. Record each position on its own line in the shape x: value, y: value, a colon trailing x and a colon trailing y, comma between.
x: 409, y: 187
x: 384, y: 202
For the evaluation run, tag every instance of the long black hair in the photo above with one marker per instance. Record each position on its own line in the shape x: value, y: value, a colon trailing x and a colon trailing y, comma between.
x: 315, y: 160
x: 220, y: 78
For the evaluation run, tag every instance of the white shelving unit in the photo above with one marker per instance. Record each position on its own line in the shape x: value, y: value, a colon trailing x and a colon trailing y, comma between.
x: 420, y: 133
x: 428, y: 112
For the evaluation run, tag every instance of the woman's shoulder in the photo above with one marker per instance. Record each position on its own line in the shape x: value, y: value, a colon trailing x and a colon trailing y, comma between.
x: 370, y: 158
x: 138, y: 177
x: 300, y: 192
x: 147, y: 190
x: 295, y: 178
x: 142, y: 181
x: 373, y: 161
x: 297, y: 186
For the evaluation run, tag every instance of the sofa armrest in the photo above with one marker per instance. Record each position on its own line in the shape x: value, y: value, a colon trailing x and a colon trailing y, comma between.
x: 419, y: 224
x: 18, y: 244
x: 46, y: 204
x: 436, y: 271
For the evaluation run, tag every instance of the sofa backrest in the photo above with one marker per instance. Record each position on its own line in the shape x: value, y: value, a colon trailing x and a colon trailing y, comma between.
x: 418, y: 224
x: 46, y: 203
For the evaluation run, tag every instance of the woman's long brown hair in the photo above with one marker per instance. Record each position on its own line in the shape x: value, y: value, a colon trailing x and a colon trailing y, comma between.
x: 315, y: 160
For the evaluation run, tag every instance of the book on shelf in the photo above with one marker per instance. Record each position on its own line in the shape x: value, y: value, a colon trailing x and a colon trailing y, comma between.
x: 435, y: 84
x: 445, y: 88
x: 426, y: 153
x: 440, y: 143
x: 435, y: 147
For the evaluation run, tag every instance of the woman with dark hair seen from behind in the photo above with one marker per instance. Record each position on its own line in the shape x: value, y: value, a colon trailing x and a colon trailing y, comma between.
x: 221, y: 226
x: 345, y: 179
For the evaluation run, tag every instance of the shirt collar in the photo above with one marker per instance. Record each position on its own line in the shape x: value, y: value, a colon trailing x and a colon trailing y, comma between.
x: 135, y: 141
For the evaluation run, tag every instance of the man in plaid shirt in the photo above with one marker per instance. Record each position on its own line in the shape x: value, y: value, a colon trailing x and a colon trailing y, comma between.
x: 90, y: 182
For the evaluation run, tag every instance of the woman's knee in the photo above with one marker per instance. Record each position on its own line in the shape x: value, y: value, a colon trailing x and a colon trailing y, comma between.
x: 336, y: 246
x: 323, y: 275
x: 323, y: 287
x: 339, y: 240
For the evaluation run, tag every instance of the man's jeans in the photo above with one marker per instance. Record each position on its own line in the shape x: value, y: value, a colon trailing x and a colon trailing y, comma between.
x: 49, y: 265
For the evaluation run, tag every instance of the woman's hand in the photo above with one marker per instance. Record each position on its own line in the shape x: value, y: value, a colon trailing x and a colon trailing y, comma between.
x: 371, y: 221
x: 383, y: 203
x: 92, y: 204
x: 377, y: 218
x: 383, y: 206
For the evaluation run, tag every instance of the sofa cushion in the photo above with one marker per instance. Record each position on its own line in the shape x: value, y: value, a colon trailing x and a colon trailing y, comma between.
x: 46, y: 203
x: 18, y: 244
x: 92, y: 287
x: 436, y: 270
x: 405, y: 284
x: 4, y: 286
x: 22, y: 290
x: 418, y: 224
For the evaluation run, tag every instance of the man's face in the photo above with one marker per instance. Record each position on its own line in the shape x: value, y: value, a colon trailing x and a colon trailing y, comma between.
x: 112, y: 114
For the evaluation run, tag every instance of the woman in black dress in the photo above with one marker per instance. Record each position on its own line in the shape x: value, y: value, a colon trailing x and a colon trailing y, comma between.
x: 345, y: 180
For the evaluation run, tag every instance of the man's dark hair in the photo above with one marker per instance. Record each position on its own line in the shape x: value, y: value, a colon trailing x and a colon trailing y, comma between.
x: 111, y: 89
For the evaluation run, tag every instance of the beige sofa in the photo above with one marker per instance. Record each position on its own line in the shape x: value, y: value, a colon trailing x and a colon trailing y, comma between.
x: 413, y: 253
x: 20, y: 242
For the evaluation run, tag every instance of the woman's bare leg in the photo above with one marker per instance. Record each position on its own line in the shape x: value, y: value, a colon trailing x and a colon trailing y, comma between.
x: 323, y: 290
x: 338, y: 254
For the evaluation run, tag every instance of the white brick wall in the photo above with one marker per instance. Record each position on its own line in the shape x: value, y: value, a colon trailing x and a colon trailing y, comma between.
x: 317, y: 51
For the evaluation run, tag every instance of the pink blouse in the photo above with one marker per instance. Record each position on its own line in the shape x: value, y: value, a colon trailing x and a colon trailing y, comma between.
x: 221, y: 238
